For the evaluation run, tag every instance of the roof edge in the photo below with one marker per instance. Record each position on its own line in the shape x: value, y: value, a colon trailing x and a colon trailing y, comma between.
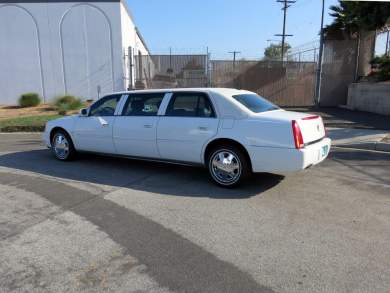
x: 133, y: 20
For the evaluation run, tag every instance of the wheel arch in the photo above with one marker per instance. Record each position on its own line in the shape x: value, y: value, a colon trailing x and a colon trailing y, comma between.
x: 57, y: 128
x: 225, y: 141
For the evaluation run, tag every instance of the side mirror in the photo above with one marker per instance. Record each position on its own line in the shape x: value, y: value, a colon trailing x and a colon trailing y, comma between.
x: 83, y: 112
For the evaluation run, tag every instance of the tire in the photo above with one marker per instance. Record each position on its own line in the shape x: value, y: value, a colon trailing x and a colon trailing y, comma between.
x: 62, y: 146
x: 228, y: 166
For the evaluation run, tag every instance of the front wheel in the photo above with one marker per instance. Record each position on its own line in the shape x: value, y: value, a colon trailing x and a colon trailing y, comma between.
x: 62, y: 146
x: 228, y: 166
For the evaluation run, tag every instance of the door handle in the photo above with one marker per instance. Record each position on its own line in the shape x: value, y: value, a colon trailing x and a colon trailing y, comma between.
x: 103, y: 122
x: 202, y: 128
x: 148, y: 126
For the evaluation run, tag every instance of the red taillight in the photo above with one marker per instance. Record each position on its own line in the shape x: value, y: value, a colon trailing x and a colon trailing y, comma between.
x: 311, y: 118
x: 298, y: 139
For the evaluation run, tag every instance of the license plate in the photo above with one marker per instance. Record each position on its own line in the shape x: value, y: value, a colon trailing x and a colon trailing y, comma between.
x: 324, y: 150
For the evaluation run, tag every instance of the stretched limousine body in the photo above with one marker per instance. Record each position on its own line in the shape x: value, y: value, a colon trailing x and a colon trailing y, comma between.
x: 231, y: 132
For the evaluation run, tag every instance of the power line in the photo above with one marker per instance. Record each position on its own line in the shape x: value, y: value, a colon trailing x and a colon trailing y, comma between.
x: 284, y: 35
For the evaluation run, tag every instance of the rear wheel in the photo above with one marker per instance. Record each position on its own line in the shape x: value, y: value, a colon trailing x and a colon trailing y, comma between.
x: 62, y: 146
x: 228, y: 166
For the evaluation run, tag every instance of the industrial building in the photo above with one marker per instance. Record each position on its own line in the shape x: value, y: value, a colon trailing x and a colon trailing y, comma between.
x: 56, y: 47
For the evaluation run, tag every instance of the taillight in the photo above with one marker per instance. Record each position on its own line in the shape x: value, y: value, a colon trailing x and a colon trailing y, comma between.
x: 298, y: 139
x: 311, y: 118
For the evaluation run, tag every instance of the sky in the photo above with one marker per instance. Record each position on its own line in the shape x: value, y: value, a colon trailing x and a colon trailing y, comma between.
x: 190, y: 26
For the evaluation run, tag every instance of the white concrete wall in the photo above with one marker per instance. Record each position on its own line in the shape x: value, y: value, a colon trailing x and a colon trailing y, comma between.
x: 130, y: 38
x: 370, y: 97
x: 57, y: 48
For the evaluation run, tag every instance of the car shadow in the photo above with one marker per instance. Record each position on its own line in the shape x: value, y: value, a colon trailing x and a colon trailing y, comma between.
x: 142, y: 176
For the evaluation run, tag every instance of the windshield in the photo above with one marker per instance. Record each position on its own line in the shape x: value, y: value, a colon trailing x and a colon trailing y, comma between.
x: 255, y: 103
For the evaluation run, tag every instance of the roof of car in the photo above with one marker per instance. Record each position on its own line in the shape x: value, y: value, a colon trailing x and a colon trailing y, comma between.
x: 217, y: 90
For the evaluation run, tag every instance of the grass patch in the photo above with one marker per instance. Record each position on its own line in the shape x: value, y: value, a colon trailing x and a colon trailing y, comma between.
x: 68, y: 103
x: 27, y: 123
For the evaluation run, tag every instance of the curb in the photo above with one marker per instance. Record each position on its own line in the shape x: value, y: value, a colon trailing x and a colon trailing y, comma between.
x: 372, y: 146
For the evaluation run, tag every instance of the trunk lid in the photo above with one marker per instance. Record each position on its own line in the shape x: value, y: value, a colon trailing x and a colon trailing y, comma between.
x: 311, y: 126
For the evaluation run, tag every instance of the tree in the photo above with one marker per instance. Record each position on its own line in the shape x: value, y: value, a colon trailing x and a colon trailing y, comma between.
x: 274, y: 51
x: 352, y: 17
x: 359, y: 19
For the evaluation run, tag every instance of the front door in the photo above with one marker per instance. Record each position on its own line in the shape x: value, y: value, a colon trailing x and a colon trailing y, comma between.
x: 189, y: 122
x: 94, y: 132
x: 135, y: 129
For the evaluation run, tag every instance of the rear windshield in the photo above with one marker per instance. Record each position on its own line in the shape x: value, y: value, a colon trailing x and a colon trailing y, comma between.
x: 255, y: 103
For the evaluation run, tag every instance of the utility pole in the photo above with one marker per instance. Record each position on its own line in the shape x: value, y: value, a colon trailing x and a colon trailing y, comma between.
x: 131, y: 65
x: 208, y: 75
x: 235, y: 53
x: 319, y: 67
x: 284, y: 35
x: 387, y: 51
x: 170, y: 57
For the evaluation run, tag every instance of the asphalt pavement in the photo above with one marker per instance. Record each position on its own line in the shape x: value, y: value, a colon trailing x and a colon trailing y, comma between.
x: 102, y: 224
x: 337, y: 117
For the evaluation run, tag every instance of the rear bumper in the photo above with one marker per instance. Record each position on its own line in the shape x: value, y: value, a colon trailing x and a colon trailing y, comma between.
x: 284, y: 160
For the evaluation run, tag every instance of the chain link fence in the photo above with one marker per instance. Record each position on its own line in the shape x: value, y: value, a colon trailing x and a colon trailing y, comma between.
x: 171, y: 71
x: 287, y: 83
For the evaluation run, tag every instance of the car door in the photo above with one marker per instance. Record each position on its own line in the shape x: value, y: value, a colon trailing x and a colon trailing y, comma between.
x: 135, y: 129
x: 94, y: 132
x: 189, y: 122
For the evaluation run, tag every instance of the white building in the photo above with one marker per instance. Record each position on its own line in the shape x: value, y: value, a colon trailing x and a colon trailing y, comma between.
x: 75, y: 47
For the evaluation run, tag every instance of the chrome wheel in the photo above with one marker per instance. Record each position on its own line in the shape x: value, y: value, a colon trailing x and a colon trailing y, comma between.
x: 61, y: 146
x: 225, y: 167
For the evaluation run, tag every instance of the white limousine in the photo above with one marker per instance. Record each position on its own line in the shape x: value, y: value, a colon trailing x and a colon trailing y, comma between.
x: 231, y: 132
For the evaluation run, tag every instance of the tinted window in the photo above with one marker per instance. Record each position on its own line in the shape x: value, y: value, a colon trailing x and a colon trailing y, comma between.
x: 190, y: 105
x: 204, y: 108
x: 143, y: 104
x: 105, y: 106
x: 255, y: 103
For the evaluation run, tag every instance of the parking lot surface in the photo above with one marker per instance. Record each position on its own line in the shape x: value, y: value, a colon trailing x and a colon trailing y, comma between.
x: 102, y: 224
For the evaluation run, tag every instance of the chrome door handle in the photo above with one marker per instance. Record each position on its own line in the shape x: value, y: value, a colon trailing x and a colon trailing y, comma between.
x: 148, y: 126
x: 103, y: 122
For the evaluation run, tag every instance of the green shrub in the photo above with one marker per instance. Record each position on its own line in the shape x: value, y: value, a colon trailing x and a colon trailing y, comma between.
x: 381, y: 65
x: 29, y: 100
x: 68, y: 103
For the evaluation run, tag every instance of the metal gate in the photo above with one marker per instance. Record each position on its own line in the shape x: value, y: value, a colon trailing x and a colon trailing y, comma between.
x: 288, y: 83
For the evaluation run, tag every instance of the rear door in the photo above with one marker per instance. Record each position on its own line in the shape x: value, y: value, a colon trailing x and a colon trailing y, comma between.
x: 135, y: 130
x: 189, y: 122
x: 94, y: 132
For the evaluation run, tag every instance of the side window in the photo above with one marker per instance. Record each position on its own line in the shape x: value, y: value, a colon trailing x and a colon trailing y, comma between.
x: 143, y: 104
x: 190, y: 105
x: 105, y: 106
x: 204, y: 108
